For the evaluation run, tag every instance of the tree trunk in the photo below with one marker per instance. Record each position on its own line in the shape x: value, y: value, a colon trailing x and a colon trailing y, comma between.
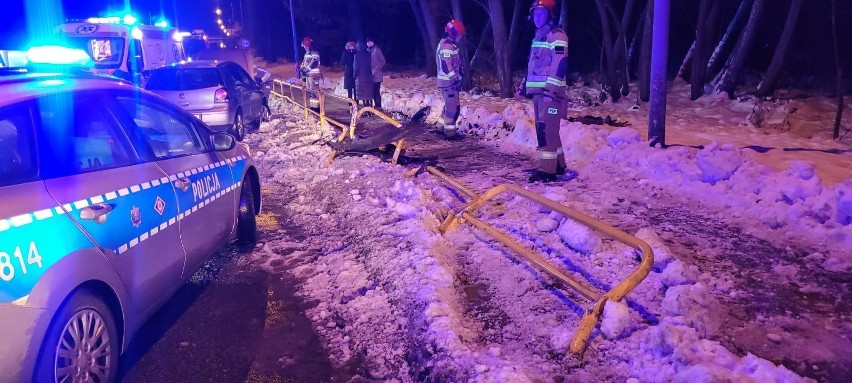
x: 611, y: 74
x: 467, y: 79
x: 621, y: 48
x: 730, y: 75
x: 429, y: 50
x: 702, y: 42
x: 839, y: 68
x: 686, y: 65
x: 645, y: 56
x: 501, y: 48
x: 779, y: 57
x: 515, y: 30
x: 634, y: 44
x: 478, y: 53
x: 734, y: 25
x: 432, y: 31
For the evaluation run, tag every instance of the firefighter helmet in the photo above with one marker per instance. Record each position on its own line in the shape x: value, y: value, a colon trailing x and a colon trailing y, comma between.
x: 455, y: 29
x: 550, y: 5
x: 307, y: 42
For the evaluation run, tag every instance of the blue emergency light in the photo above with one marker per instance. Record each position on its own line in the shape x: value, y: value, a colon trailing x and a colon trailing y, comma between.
x: 58, y: 55
x: 162, y: 23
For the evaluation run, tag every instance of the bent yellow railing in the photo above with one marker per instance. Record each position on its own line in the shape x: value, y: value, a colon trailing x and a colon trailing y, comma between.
x: 288, y: 92
x: 475, y: 201
x: 593, y: 312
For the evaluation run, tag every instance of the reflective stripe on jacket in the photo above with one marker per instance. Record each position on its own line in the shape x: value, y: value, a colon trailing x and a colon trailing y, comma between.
x: 311, y: 64
x: 449, y: 63
x: 548, y: 65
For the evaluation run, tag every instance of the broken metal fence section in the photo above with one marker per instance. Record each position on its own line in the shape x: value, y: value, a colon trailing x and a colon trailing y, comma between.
x: 474, y: 201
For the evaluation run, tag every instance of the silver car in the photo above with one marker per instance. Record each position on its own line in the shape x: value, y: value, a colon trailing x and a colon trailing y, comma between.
x: 110, y: 198
x: 220, y: 93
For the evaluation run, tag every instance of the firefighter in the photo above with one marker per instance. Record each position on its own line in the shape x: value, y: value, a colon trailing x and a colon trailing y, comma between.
x: 310, y: 68
x: 545, y: 83
x: 449, y: 74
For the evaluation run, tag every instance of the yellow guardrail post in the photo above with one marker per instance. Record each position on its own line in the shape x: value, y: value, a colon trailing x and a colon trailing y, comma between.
x: 397, y: 151
x: 321, y: 97
x: 593, y: 312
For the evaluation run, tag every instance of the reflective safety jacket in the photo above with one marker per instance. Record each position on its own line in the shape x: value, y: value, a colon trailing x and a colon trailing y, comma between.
x: 449, y: 63
x: 548, y: 65
x: 310, y: 64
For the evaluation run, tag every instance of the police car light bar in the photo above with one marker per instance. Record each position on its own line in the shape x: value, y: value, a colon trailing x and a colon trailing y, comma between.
x: 162, y: 23
x: 58, y: 55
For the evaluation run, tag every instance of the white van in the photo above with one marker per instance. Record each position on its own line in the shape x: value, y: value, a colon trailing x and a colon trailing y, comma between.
x: 125, y: 50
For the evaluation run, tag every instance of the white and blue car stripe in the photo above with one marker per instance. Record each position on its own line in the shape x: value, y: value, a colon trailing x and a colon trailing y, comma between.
x: 33, y: 242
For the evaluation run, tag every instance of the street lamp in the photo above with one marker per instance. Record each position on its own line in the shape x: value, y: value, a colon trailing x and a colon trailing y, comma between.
x: 219, y: 21
x: 218, y: 12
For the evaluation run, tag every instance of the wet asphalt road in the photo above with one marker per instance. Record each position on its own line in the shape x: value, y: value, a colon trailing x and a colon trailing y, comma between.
x: 232, y: 322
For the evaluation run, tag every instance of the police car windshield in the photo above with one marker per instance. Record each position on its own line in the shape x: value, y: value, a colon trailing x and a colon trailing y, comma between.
x: 106, y: 52
x: 183, y: 79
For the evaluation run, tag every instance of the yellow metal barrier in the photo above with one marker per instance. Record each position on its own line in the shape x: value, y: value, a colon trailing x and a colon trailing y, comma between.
x: 475, y: 201
x: 592, y: 313
x: 348, y: 130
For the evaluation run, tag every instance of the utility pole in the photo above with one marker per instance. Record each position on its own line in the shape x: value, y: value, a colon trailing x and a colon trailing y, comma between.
x: 295, y: 45
x: 659, y: 61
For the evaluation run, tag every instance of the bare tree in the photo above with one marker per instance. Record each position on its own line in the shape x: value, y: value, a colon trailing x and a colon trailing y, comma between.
x: 722, y: 46
x: 839, y: 69
x: 704, y: 33
x: 501, y: 48
x: 428, y: 32
x: 615, y: 46
x: 780, y: 55
x: 730, y: 75
x: 517, y: 11
x: 563, y: 14
x: 431, y: 65
x: 645, y: 55
x: 467, y: 79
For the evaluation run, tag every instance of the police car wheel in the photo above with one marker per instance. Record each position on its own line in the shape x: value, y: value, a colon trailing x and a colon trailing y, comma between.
x: 247, y: 217
x: 81, y: 343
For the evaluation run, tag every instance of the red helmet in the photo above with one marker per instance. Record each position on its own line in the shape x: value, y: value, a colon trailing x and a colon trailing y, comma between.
x: 549, y: 4
x: 307, y: 42
x: 455, y: 29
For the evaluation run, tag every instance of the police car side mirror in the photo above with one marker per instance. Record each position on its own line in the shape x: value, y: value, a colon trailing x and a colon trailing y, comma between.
x: 223, y: 142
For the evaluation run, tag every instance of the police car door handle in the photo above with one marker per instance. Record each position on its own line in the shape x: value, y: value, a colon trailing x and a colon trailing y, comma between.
x: 97, y: 212
x: 183, y: 183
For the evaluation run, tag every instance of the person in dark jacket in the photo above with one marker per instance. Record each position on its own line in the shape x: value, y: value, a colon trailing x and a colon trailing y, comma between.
x: 362, y: 68
x: 377, y: 60
x: 348, y: 61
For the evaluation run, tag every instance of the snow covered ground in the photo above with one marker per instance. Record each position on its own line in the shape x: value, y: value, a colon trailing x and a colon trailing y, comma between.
x: 752, y: 259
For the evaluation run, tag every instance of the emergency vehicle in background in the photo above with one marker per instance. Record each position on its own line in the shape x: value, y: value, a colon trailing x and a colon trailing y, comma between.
x: 122, y: 47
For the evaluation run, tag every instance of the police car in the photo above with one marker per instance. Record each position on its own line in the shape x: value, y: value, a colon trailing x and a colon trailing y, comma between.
x: 110, y: 198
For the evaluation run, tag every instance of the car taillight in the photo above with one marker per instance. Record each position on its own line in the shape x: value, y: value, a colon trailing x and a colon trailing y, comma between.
x: 221, y: 95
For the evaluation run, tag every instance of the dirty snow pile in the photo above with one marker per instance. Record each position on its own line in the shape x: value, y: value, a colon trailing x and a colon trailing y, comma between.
x: 408, y: 304
x: 795, y: 203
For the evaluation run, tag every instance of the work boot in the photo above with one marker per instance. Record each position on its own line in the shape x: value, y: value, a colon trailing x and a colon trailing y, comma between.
x: 560, y: 170
x: 542, y: 176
